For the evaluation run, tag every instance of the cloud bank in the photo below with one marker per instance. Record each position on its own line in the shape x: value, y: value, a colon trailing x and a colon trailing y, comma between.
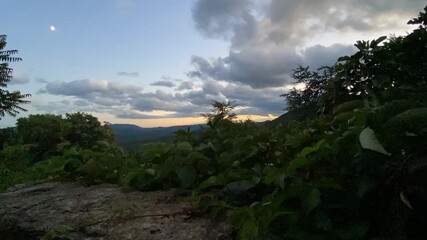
x: 267, y: 40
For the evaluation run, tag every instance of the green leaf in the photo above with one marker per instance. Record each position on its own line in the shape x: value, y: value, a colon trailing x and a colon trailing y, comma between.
x: 354, y: 231
x: 212, y: 181
x: 348, y: 106
x: 311, y: 199
x: 344, y: 58
x: 187, y: 175
x: 240, y: 186
x: 274, y: 175
x: 301, y: 161
x: 150, y: 172
x: 249, y: 230
x: 368, y: 140
x: 184, y: 147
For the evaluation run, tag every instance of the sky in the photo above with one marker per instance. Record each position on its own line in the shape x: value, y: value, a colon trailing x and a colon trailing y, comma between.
x: 161, y: 63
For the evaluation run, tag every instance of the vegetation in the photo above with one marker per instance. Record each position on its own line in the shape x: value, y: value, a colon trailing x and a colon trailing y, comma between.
x: 9, y: 101
x: 356, y: 170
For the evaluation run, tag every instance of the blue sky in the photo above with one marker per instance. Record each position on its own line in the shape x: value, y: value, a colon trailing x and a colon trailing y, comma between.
x: 159, y: 63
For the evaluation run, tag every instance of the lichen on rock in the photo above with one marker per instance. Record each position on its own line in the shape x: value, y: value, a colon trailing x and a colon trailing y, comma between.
x: 54, y: 210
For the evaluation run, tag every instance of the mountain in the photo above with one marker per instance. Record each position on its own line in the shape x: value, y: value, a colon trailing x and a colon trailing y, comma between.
x: 299, y: 115
x: 132, y: 136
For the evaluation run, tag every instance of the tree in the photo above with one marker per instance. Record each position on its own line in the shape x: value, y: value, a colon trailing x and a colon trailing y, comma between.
x: 9, y: 101
x: 43, y: 133
x: 314, y: 86
x: 221, y: 111
x: 85, y: 131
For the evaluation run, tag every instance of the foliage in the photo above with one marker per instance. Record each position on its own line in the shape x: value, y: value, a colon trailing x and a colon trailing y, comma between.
x: 357, y: 170
x: 42, y: 134
x: 313, y: 87
x: 9, y: 101
x: 221, y: 111
x: 85, y: 131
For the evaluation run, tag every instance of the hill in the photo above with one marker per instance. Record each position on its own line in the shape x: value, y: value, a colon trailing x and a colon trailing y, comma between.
x: 130, y: 136
x: 293, y: 115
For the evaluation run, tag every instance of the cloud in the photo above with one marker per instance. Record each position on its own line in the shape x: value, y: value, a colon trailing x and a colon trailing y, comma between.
x: 132, y: 114
x: 278, y: 21
x: 267, y: 39
x: 186, y: 85
x: 129, y: 74
x: 127, y: 101
x: 260, y: 68
x: 80, y: 103
x: 19, y: 78
x: 163, y: 84
x: 41, y: 80
x: 91, y: 87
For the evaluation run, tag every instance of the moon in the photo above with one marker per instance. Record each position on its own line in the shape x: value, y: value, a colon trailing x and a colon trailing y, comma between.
x: 52, y: 28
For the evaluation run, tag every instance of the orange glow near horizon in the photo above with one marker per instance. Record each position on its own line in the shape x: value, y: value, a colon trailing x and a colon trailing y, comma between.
x: 167, y: 122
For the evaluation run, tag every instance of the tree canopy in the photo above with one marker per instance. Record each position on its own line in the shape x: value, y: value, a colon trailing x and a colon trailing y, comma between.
x: 9, y: 101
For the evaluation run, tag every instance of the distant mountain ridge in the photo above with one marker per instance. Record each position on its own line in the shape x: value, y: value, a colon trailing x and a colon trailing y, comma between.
x: 132, y: 136
x: 128, y: 134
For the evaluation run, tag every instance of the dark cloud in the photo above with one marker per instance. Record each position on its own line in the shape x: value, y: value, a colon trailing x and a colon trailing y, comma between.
x: 218, y: 18
x: 186, y: 85
x: 163, y: 84
x: 126, y: 101
x: 267, y: 39
x: 318, y: 55
x: 80, y: 103
x: 66, y: 102
x: 91, y: 88
x: 257, y: 101
x: 261, y: 68
x: 129, y: 74
x: 278, y: 21
x: 131, y: 114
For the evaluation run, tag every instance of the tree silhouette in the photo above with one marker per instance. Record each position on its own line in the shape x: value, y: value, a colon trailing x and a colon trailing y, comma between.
x: 9, y: 101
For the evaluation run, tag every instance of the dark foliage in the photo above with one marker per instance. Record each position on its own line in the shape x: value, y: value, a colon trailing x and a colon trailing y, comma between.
x: 9, y: 101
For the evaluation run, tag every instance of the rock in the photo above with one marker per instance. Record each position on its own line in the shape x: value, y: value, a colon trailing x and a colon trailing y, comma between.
x: 54, y: 210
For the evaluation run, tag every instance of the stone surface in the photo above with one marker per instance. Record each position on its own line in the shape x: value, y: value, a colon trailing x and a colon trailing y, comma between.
x: 53, y: 210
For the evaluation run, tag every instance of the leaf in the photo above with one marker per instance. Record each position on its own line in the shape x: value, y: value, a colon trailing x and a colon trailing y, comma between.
x: 301, y: 161
x: 150, y: 172
x: 344, y: 58
x: 184, y: 147
x: 212, y: 181
x: 240, y: 186
x: 311, y: 200
x: 249, y: 230
x: 348, y: 106
x: 368, y: 140
x: 187, y: 175
x: 274, y: 175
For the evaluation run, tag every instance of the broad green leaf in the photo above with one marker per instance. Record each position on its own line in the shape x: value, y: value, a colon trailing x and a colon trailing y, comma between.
x: 184, y: 147
x: 348, y: 106
x: 150, y: 171
x: 274, y: 175
x: 301, y: 160
x: 368, y: 140
x: 311, y: 199
x: 354, y: 231
x: 212, y: 181
x: 249, y: 230
x: 239, y: 186
x: 187, y: 175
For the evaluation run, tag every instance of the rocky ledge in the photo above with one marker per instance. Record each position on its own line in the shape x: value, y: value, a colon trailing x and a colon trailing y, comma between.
x: 53, y: 210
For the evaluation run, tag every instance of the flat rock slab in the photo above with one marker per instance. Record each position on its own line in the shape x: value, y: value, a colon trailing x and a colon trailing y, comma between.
x: 54, y: 210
